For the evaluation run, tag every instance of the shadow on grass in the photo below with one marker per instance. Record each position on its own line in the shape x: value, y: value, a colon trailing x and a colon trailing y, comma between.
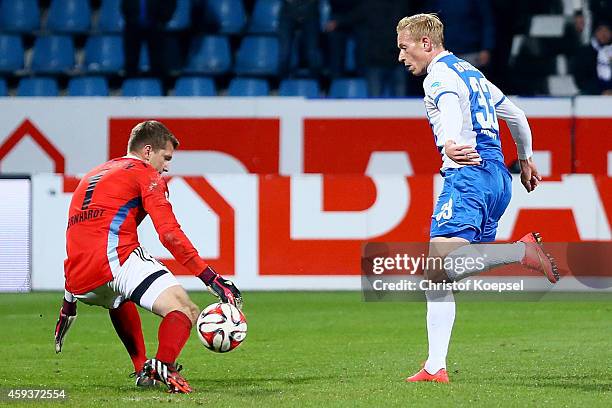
x: 241, y: 382
x: 582, y: 382
x: 242, y: 386
x: 259, y: 386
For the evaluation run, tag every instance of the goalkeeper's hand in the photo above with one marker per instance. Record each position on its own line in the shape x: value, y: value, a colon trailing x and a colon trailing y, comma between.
x: 61, y: 329
x: 223, y: 288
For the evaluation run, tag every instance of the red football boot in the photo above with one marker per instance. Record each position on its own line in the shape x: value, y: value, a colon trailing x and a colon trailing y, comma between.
x: 536, y: 259
x: 440, y: 377
x: 167, y: 374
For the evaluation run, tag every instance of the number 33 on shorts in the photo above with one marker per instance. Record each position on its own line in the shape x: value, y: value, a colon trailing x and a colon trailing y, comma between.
x: 445, y: 213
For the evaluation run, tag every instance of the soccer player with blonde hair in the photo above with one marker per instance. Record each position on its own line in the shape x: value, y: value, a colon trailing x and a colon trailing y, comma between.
x: 463, y: 107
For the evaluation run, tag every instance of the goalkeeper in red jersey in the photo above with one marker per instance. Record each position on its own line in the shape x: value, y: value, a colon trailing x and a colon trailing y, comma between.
x: 106, y: 266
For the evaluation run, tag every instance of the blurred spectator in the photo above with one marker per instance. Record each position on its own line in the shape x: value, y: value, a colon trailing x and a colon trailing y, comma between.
x: 591, y: 64
x: 377, y: 42
x: 376, y: 51
x: 339, y: 28
x: 506, y: 24
x: 145, y: 22
x: 468, y: 28
x: 602, y: 43
x: 574, y: 33
x: 529, y: 68
x: 299, y: 16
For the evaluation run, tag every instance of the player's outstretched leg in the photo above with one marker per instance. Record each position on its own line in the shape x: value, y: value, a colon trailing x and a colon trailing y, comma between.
x: 535, y: 258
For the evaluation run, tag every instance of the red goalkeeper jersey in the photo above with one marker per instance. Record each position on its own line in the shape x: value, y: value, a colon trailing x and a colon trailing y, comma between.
x: 106, y: 208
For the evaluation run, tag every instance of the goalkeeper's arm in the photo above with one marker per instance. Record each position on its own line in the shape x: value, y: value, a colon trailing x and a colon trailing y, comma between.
x: 67, y: 316
x: 174, y: 239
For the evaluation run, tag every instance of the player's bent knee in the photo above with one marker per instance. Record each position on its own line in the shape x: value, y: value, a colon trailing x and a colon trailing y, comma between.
x: 435, y: 276
x: 190, y: 310
x: 439, y: 248
x: 194, y: 312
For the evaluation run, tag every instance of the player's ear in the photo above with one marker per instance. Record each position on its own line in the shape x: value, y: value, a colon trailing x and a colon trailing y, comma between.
x: 146, y: 151
x: 426, y: 43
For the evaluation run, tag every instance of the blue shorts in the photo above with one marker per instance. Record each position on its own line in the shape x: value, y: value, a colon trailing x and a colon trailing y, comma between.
x: 472, y: 202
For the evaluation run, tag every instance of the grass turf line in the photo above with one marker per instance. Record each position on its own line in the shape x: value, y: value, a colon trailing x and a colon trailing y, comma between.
x: 327, y: 349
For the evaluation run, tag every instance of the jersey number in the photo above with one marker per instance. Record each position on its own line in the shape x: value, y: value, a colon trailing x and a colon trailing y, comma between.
x: 93, y: 180
x: 485, y: 115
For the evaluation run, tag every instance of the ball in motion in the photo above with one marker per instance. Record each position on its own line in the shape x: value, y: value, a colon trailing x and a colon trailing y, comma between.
x: 221, y: 327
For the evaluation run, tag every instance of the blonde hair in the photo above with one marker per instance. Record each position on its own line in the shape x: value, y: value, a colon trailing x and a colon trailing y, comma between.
x: 423, y: 25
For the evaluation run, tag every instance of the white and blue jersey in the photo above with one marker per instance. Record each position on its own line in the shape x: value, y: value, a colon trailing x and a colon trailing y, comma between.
x: 478, y: 99
x: 463, y: 106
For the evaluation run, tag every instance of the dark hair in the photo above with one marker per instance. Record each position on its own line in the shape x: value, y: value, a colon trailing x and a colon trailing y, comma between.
x: 151, y: 132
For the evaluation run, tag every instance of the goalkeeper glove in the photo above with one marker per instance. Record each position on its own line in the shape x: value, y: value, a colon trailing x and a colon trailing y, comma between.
x: 64, y: 322
x: 223, y: 288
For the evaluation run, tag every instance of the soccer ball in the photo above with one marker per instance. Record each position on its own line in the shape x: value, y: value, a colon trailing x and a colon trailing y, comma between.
x: 221, y: 327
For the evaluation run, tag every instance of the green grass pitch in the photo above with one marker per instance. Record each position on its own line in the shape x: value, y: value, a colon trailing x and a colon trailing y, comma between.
x: 327, y: 349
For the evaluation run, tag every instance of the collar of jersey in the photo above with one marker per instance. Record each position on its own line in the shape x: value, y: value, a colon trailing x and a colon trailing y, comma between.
x: 436, y: 59
x: 132, y: 156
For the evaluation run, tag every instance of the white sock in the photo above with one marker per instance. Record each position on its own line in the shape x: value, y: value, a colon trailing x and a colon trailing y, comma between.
x: 440, y: 319
x: 482, y: 257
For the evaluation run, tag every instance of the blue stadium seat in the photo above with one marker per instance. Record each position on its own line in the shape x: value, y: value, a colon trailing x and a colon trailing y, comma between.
x: 141, y: 87
x: 257, y: 55
x: 104, y: 54
x: 348, y: 88
x: 350, y: 57
x: 69, y: 16
x: 182, y: 16
x: 308, y: 88
x: 11, y: 53
x: 228, y: 16
x: 265, y: 17
x: 19, y: 16
x: 37, y: 87
x: 110, y: 19
x: 195, y: 86
x: 248, y: 87
x: 88, y: 86
x: 3, y: 87
x: 210, y: 55
x: 53, y: 54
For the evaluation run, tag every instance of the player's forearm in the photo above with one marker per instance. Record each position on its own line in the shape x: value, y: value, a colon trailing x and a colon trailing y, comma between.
x: 170, y: 233
x: 521, y: 133
x: 175, y: 241
x: 519, y: 127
